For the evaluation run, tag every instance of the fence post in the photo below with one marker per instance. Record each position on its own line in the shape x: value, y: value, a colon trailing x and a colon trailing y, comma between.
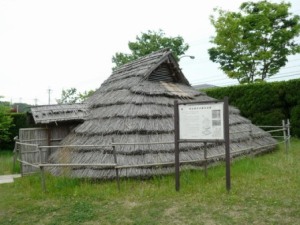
x: 205, y: 159
x: 251, y: 140
x: 176, y: 141
x: 116, y: 162
x: 289, y: 133
x: 16, y: 151
x: 42, y: 170
x: 21, y: 159
x: 227, y: 144
x: 284, y: 136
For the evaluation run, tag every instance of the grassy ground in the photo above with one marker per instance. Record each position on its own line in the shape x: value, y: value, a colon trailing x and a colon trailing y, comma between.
x: 265, y: 190
x: 6, y: 163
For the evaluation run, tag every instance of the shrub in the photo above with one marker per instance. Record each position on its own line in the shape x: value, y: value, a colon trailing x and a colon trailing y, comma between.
x: 265, y: 103
x: 295, y: 120
x: 19, y: 121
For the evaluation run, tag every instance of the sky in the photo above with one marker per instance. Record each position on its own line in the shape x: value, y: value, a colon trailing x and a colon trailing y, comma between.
x: 50, y: 45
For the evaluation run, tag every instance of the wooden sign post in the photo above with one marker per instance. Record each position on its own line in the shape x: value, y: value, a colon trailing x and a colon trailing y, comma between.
x: 201, y: 122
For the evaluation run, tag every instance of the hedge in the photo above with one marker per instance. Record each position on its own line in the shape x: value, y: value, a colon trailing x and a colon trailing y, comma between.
x: 265, y: 103
x: 19, y: 121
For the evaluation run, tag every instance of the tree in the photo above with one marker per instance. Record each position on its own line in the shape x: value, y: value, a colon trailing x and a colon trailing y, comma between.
x: 83, y: 96
x: 71, y: 96
x: 253, y: 44
x: 68, y: 96
x: 5, y: 122
x: 150, y: 42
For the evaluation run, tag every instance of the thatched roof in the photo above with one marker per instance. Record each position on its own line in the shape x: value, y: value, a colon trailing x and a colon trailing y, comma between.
x: 59, y: 113
x: 135, y: 105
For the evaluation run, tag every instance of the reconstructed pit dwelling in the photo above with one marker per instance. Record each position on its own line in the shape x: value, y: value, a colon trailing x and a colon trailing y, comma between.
x: 136, y: 105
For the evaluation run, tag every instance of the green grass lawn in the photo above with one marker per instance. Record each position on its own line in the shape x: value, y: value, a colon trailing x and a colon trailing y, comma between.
x: 265, y: 190
x: 6, y: 163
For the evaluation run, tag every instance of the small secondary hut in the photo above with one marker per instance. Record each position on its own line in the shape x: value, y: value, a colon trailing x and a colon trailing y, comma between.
x: 135, y: 105
x: 57, y: 121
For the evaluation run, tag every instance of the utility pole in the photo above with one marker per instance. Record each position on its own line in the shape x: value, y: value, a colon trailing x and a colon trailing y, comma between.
x: 35, y: 101
x: 49, y: 93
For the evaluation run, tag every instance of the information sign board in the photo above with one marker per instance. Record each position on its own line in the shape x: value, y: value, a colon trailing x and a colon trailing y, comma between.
x: 201, y: 121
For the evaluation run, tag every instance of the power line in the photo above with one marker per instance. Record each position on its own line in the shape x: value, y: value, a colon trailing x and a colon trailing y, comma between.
x: 293, y: 60
x: 205, y: 60
x: 195, y: 82
x: 270, y: 78
x: 279, y: 74
x: 208, y: 81
x: 290, y: 75
x: 290, y: 67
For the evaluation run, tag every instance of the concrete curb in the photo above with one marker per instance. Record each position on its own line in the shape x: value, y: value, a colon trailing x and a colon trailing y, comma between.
x: 4, y: 179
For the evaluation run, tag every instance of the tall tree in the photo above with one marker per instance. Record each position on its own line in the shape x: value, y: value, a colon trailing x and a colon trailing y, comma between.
x: 150, y: 42
x: 253, y: 44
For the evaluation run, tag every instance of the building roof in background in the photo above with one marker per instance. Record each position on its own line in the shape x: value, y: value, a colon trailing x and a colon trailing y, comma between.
x: 203, y: 86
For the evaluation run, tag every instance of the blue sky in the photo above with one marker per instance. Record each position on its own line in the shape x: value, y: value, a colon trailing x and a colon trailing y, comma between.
x: 60, y: 44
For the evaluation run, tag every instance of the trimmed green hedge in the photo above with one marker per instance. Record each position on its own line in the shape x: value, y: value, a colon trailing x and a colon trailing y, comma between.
x: 295, y: 118
x: 265, y: 103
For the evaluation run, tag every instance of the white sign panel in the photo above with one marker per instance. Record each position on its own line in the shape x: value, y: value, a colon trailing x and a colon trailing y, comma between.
x: 201, y: 121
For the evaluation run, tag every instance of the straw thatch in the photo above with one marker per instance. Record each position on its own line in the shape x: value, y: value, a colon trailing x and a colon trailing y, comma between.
x: 135, y: 105
x: 59, y: 113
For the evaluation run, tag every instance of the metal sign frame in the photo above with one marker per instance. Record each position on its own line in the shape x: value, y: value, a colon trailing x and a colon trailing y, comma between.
x: 225, y: 138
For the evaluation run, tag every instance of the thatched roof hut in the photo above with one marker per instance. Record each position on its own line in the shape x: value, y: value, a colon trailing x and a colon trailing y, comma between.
x: 58, y: 119
x: 135, y: 105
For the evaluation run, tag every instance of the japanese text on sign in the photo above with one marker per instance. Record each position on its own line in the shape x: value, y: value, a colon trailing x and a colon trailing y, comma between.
x: 201, y: 121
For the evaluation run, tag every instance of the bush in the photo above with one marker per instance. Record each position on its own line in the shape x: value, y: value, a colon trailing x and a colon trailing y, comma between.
x: 295, y: 120
x: 19, y: 121
x: 272, y: 117
x: 265, y: 103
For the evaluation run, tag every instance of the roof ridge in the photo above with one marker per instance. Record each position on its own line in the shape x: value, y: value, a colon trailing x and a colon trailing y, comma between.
x: 166, y: 50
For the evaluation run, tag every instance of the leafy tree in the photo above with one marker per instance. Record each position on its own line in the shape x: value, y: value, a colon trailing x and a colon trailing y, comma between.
x: 150, y: 42
x: 70, y: 96
x: 5, y: 122
x: 253, y: 44
x: 83, y: 96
